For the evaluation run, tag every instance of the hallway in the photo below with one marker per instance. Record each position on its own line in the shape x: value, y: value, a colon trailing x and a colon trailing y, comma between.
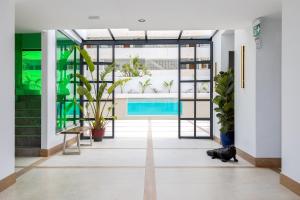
x: 144, y: 161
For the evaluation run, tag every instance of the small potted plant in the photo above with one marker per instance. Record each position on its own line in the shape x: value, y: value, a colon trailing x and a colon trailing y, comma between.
x: 144, y: 85
x: 168, y: 85
x: 224, y: 101
x: 96, y: 105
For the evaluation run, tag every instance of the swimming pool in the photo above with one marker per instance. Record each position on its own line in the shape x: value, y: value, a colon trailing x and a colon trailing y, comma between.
x: 152, y: 107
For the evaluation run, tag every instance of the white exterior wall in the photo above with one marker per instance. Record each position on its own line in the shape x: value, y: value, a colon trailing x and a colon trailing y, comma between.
x: 7, y: 88
x: 290, y: 88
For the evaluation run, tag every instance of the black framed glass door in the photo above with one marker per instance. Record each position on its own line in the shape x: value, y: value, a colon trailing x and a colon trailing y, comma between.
x: 102, y: 56
x: 195, y: 91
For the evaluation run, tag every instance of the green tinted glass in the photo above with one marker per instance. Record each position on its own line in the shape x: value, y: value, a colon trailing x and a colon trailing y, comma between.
x: 67, y: 64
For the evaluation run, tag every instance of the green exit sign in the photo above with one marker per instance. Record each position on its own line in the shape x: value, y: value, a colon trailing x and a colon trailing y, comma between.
x: 257, y: 30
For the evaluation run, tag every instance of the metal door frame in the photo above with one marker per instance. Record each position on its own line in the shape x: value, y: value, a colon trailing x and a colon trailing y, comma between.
x: 195, y: 100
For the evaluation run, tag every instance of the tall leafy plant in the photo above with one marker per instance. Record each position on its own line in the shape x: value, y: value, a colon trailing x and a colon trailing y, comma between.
x: 224, y: 100
x: 96, y: 106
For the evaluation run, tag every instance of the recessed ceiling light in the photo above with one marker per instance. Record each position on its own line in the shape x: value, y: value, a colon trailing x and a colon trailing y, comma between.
x: 141, y: 20
x: 94, y: 17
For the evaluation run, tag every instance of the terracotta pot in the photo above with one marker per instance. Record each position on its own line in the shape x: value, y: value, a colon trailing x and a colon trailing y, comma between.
x: 98, y: 134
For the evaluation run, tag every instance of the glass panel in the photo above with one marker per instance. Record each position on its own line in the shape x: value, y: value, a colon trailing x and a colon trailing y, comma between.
x: 105, y: 94
x: 163, y: 34
x: 187, y: 72
x: 187, y: 90
x: 28, y: 83
x: 90, y: 76
x: 92, y: 50
x: 108, y: 77
x: 67, y: 64
x: 105, y: 53
x: 95, y: 34
x: 187, y: 53
x: 197, y: 34
x: 203, y: 90
x: 108, y: 129
x: 31, y: 72
x: 148, y: 62
x: 124, y: 34
x: 94, y: 86
x: 203, y: 52
x: 187, y: 109
x: 202, y: 128
x: 187, y: 128
x: 203, y: 72
x: 106, y: 107
x: 203, y: 109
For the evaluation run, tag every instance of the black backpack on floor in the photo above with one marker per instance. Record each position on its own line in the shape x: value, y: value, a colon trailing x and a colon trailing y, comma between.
x: 224, y: 154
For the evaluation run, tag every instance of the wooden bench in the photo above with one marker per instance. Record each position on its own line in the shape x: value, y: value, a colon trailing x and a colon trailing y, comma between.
x: 75, y: 131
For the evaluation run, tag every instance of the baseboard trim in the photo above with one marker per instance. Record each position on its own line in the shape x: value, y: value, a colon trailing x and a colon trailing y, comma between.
x: 289, y: 183
x: 7, y: 182
x: 217, y: 140
x: 260, y: 162
x: 274, y: 163
x: 56, y: 149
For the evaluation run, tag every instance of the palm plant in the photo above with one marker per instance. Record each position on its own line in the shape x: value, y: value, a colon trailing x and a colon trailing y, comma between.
x: 144, y: 85
x: 168, y: 85
x: 96, y: 106
x: 135, y: 68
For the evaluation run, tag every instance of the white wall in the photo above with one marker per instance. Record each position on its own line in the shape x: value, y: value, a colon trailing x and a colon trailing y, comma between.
x: 227, y: 45
x: 217, y: 66
x: 49, y: 136
x: 7, y: 88
x: 290, y: 89
x: 158, y: 77
x: 245, y: 104
x: 223, y: 42
x: 268, y: 90
x: 258, y: 105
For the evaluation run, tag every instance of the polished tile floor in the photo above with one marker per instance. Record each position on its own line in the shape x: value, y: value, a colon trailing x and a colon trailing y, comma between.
x: 145, y: 161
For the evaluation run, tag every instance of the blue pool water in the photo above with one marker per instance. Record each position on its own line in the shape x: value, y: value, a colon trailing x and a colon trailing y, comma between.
x: 152, y: 107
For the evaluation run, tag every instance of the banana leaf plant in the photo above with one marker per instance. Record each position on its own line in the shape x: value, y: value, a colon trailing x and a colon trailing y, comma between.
x: 96, y: 106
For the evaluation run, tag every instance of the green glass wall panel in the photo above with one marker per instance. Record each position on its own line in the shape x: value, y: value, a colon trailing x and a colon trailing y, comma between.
x: 28, y: 85
x: 28, y: 64
x: 31, y: 71
x: 67, y: 64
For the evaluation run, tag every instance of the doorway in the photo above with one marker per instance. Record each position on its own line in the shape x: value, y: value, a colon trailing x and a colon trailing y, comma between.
x: 188, y: 102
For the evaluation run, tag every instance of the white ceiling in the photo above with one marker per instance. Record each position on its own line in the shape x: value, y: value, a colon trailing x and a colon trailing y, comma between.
x: 36, y: 15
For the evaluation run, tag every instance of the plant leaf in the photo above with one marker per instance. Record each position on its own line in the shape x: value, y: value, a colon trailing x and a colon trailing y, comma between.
x: 87, y: 58
x: 85, y: 81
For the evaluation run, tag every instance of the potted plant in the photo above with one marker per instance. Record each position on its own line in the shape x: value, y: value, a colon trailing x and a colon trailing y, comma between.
x: 96, y: 106
x: 168, y: 85
x: 224, y: 101
x: 144, y: 85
